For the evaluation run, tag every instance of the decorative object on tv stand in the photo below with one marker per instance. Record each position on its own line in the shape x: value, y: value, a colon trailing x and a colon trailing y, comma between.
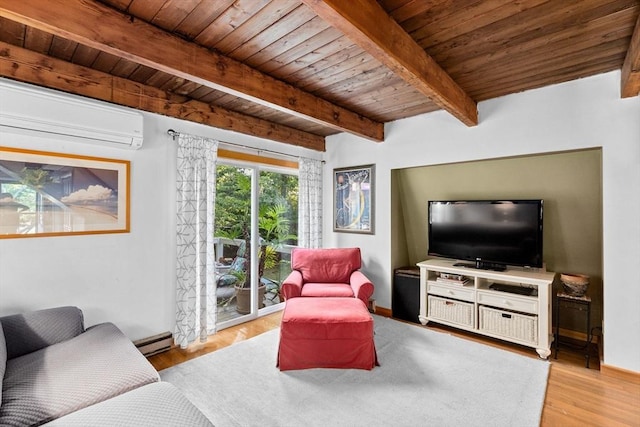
x: 574, y: 284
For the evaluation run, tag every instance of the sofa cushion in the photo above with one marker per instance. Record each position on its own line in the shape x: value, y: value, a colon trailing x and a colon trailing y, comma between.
x: 3, y: 359
x: 28, y: 332
x: 94, y: 366
x: 158, y: 405
x: 326, y: 265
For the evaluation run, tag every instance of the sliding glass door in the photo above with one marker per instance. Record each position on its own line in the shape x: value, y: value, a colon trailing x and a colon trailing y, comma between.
x: 255, y: 229
x: 278, y: 228
x: 232, y: 239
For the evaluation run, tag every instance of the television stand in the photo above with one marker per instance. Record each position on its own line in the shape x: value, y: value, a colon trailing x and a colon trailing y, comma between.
x: 511, y: 305
x: 481, y: 265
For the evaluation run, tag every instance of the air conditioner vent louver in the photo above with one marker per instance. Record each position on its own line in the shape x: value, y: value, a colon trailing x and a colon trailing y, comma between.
x: 29, y: 107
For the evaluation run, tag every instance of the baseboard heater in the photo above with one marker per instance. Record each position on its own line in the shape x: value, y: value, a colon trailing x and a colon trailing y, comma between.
x: 155, y: 344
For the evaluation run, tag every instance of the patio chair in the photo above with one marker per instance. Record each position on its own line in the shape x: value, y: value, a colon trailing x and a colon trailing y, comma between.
x: 225, y: 285
x: 225, y: 289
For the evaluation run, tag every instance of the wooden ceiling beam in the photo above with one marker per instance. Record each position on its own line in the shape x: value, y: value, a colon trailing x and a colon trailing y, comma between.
x: 32, y: 67
x: 93, y: 24
x: 630, y: 84
x: 367, y: 24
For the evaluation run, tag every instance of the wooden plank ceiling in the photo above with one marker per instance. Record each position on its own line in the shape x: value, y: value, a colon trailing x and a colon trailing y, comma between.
x: 296, y: 71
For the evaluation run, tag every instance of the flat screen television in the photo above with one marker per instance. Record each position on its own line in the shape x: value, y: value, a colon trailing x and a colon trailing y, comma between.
x: 490, y: 233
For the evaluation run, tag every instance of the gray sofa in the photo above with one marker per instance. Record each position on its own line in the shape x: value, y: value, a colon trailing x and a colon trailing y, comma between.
x: 54, y: 372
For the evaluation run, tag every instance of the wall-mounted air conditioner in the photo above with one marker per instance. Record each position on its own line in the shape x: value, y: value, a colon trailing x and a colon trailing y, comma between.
x: 32, y: 108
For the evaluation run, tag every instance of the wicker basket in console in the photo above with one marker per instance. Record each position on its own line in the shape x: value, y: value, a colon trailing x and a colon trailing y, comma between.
x: 453, y: 311
x: 519, y: 326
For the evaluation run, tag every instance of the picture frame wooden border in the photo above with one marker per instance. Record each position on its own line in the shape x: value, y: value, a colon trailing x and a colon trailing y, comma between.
x: 354, y: 199
x: 58, y: 194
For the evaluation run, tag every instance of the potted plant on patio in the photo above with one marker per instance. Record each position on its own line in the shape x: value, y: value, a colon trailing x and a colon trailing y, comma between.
x: 275, y: 231
x: 243, y: 293
x: 275, y: 234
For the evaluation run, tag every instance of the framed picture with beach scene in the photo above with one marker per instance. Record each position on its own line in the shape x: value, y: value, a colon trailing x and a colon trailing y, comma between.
x: 53, y: 194
x: 353, y: 196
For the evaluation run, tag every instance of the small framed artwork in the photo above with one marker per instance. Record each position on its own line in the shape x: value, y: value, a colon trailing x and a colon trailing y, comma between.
x: 353, y: 196
x: 52, y: 194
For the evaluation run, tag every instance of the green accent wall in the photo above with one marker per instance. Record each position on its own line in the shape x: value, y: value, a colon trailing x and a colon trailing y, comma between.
x: 570, y: 183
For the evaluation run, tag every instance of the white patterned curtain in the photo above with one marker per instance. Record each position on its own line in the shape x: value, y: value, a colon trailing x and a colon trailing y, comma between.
x: 310, y: 203
x: 195, y: 281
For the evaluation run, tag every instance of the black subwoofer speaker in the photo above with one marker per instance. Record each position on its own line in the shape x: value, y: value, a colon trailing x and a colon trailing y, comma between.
x: 405, y: 298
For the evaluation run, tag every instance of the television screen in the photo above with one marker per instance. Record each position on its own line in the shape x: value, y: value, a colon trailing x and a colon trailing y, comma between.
x: 487, y: 232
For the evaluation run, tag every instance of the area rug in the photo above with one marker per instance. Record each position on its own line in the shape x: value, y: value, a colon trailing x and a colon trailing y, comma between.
x: 425, y: 377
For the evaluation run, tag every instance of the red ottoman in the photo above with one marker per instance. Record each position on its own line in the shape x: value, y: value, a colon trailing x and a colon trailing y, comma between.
x: 326, y: 333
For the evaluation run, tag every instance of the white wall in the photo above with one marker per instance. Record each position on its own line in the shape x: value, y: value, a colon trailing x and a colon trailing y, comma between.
x: 575, y: 115
x: 127, y: 278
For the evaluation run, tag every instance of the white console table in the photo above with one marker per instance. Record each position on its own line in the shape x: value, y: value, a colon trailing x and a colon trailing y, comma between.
x: 467, y: 298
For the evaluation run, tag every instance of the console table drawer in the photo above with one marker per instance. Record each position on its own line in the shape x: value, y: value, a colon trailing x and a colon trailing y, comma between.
x: 509, y: 302
x: 451, y: 292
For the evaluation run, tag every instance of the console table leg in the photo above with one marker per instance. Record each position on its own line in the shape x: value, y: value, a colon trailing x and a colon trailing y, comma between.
x: 544, y: 353
x: 589, y: 336
x: 556, y: 337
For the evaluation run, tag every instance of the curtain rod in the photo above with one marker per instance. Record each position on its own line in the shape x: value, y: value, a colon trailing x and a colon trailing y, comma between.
x: 174, y: 134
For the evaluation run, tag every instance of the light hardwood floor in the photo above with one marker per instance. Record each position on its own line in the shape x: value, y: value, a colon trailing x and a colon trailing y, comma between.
x: 576, y: 396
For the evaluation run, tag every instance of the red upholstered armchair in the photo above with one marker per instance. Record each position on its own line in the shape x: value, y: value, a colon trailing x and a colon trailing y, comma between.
x: 327, y: 273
